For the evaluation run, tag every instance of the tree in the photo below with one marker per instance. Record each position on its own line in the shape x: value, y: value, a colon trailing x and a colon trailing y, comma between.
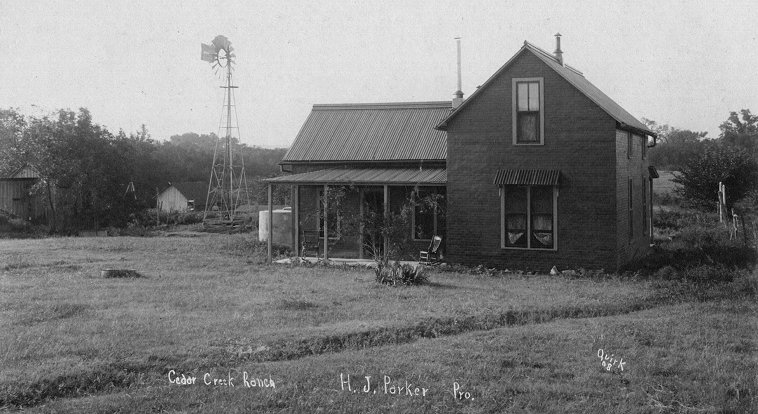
x: 700, y: 175
x: 746, y: 124
x: 675, y: 146
x: 662, y: 130
x: 12, y: 126
x: 84, y: 170
x: 741, y: 130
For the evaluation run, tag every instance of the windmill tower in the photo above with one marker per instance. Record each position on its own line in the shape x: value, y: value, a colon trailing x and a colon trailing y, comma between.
x: 227, y: 187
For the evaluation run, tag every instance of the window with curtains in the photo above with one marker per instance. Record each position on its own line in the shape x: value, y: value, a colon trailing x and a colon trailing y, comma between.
x: 528, y: 217
x: 528, y: 116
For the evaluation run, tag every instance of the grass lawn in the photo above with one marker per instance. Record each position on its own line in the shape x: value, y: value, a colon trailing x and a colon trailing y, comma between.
x: 663, y: 184
x: 74, y: 342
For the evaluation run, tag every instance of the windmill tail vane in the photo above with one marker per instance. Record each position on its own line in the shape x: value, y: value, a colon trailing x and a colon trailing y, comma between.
x: 208, y: 53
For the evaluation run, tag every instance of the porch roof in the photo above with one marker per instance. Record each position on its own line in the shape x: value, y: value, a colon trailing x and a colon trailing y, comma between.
x: 367, y: 176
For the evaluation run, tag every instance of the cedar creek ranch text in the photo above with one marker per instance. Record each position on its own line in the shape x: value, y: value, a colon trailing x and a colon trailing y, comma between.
x: 247, y: 380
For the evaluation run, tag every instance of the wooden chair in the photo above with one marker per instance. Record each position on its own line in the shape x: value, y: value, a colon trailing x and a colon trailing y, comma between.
x: 432, y: 253
x: 309, y: 241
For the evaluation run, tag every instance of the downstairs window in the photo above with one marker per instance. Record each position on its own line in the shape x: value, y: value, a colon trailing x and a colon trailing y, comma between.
x: 528, y: 219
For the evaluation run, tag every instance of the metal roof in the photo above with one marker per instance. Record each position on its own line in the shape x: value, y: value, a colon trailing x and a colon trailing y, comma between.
x: 25, y: 172
x: 372, y: 132
x: 572, y: 76
x: 193, y: 190
x: 405, y: 176
x: 527, y: 177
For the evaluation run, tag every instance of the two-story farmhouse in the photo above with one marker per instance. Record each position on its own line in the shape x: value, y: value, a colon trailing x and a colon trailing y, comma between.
x: 538, y: 168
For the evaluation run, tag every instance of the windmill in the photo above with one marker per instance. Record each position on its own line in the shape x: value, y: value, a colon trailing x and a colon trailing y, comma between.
x: 227, y: 187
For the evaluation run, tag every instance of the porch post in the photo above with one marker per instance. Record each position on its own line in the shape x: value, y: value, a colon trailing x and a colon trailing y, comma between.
x: 650, y: 206
x: 386, y: 219
x: 360, y: 223
x: 326, y: 222
x: 295, y: 219
x: 270, y: 225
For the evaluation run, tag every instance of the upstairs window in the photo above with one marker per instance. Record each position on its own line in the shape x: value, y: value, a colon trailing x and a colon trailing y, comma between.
x: 528, y: 115
x: 629, y: 145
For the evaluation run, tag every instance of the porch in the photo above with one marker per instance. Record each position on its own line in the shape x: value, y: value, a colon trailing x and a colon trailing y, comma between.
x: 353, y: 213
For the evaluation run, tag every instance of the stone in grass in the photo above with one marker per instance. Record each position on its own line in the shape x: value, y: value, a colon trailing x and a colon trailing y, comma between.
x: 119, y: 273
x: 554, y: 271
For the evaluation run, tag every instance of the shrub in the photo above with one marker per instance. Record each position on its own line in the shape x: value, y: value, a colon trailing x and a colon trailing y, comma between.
x: 695, y: 238
x: 700, y: 175
x: 667, y: 199
x: 709, y: 274
x: 259, y: 249
x: 153, y: 218
x: 746, y: 283
x: 666, y: 273
x: 677, y: 219
x: 19, y: 228
x: 397, y: 274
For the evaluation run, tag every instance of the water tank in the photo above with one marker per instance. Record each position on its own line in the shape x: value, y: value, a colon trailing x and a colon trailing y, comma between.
x: 282, y: 226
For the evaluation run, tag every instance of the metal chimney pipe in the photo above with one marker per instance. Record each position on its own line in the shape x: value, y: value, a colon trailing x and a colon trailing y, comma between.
x: 558, y: 52
x: 459, y: 93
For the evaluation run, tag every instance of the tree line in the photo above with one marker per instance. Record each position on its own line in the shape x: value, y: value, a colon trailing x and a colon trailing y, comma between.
x: 91, y: 177
x: 701, y: 162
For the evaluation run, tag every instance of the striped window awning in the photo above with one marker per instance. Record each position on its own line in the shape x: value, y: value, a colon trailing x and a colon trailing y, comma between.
x: 527, y: 177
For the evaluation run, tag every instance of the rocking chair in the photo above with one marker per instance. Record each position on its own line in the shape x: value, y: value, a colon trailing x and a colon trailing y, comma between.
x: 309, y: 241
x: 432, y: 253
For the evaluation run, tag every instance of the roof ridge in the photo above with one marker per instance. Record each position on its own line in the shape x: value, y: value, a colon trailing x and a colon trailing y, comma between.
x: 570, y: 75
x: 384, y: 105
x: 550, y: 56
x: 541, y: 50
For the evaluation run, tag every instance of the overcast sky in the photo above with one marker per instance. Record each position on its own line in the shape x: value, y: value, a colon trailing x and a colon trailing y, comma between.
x: 684, y: 63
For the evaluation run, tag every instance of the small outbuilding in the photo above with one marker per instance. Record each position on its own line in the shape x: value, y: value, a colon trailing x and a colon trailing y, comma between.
x: 183, y: 197
x: 16, y: 195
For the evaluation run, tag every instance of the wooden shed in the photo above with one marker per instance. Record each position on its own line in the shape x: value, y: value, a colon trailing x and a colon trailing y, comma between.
x: 182, y: 197
x: 17, y: 198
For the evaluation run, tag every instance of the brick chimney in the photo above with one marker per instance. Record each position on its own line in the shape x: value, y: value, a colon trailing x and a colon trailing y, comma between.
x: 558, y: 52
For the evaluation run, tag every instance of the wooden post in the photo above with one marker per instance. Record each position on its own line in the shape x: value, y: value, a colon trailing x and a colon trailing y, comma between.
x: 269, y: 258
x: 157, y: 208
x: 296, y: 220
x: 360, y: 223
x: 386, y: 220
x: 721, y: 201
x: 326, y: 222
x: 650, y: 209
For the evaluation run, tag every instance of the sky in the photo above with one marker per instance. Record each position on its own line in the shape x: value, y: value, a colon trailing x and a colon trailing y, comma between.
x: 682, y: 63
